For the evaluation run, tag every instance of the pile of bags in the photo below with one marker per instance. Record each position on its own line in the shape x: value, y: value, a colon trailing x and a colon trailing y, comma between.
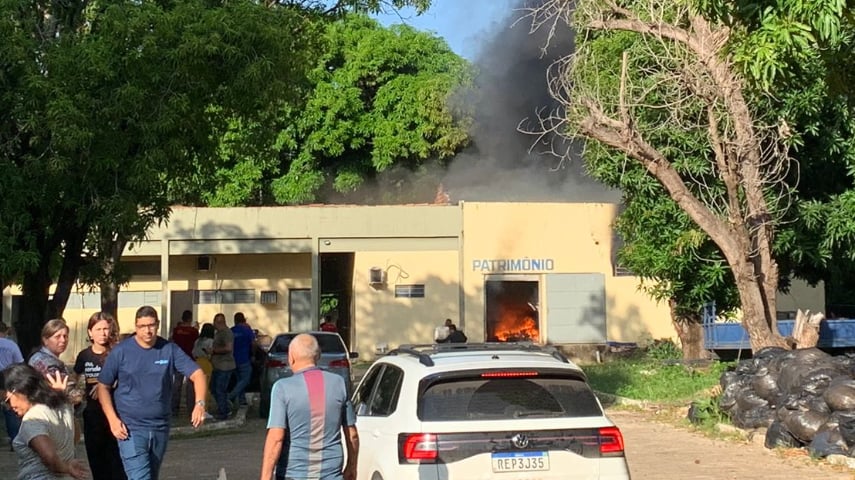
x: 804, y: 398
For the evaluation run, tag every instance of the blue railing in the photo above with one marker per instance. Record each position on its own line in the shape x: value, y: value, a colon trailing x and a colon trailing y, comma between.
x: 836, y: 333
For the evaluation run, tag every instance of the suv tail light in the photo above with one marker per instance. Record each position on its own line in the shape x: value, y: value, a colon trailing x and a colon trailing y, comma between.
x: 340, y: 364
x: 611, y: 441
x: 417, y: 448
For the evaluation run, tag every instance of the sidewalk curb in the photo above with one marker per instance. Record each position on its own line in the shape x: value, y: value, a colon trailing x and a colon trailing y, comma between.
x: 237, y: 421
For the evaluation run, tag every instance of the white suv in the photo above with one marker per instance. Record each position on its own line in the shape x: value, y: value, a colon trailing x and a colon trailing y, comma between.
x: 483, y: 411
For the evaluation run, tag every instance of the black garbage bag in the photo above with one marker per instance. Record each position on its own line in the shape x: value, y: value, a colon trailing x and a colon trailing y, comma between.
x: 766, y: 354
x: 728, y: 378
x: 777, y: 436
x: 799, y: 364
x: 817, y: 404
x: 765, y: 385
x: 827, y: 441
x: 731, y: 395
x: 748, y: 400
x: 804, y: 425
x: 846, y: 424
x: 840, y: 394
x: 817, y: 380
x: 754, y: 418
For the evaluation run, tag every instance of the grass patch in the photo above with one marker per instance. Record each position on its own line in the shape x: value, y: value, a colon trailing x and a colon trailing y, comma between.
x: 653, y: 380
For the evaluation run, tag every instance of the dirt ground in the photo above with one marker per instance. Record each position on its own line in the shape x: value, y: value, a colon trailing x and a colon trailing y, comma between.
x: 659, y: 448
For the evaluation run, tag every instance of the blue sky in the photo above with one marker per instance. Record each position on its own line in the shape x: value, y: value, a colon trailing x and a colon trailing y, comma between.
x: 462, y: 23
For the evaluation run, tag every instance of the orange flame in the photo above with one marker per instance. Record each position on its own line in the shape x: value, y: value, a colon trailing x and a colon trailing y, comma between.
x: 516, y: 326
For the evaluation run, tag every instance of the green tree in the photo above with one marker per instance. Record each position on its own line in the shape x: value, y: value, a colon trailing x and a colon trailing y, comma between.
x: 378, y: 103
x: 104, y: 108
x: 107, y: 109
x: 663, y: 92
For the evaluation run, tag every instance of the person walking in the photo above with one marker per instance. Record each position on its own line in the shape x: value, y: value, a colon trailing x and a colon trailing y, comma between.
x: 54, y: 342
x: 223, y: 362
x: 308, y: 412
x: 102, y: 448
x: 244, y: 341
x: 184, y: 335
x: 45, y: 442
x: 141, y: 368
x: 47, y: 362
x: 10, y: 354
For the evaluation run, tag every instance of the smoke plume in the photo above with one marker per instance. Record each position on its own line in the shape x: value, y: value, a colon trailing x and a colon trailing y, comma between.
x: 504, y: 164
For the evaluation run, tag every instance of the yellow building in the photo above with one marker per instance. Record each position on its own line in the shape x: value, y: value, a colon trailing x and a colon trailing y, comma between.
x: 391, y: 274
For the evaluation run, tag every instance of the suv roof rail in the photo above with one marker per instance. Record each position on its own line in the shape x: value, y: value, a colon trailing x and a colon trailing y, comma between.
x: 425, y: 350
x: 424, y: 358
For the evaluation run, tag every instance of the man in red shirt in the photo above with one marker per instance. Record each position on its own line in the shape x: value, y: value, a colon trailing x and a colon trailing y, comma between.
x: 184, y: 335
x: 328, y: 325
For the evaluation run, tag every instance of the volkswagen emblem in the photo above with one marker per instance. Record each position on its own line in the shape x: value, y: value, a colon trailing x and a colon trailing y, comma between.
x: 519, y: 440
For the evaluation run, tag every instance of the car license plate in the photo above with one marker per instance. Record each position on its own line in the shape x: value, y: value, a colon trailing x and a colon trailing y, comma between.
x: 520, y: 461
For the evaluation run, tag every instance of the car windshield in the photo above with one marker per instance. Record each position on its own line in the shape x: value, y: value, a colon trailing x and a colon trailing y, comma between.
x: 507, y: 398
x: 329, y: 343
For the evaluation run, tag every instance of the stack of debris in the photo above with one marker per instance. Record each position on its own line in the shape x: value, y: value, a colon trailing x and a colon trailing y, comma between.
x: 804, y: 398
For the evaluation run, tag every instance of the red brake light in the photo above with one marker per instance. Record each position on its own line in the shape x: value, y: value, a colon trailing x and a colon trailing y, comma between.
x: 508, y: 374
x: 276, y: 363
x: 339, y: 364
x: 419, y: 447
x: 611, y: 440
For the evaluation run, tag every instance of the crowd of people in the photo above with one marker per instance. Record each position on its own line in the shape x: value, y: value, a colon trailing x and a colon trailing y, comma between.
x: 122, y: 395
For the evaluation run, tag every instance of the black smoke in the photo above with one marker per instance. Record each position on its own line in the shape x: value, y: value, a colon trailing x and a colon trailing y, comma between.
x: 504, y: 164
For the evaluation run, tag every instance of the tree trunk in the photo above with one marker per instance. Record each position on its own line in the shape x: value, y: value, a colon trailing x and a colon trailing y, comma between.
x: 762, y: 329
x: 72, y: 260
x: 110, y: 283
x: 690, y: 330
x: 34, y: 308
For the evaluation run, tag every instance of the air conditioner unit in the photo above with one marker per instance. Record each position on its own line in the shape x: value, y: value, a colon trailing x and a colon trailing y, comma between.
x: 376, y: 276
x: 203, y: 263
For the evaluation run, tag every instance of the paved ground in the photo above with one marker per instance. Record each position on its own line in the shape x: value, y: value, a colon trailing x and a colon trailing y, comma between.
x: 655, y: 450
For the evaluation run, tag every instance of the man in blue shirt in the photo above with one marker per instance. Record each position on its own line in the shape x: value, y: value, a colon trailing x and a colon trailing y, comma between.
x: 308, y: 411
x: 135, y: 391
x: 242, y: 351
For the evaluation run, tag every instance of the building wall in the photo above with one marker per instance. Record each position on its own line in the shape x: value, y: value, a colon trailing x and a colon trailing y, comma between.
x: 577, y: 237
x: 384, y: 320
x: 444, y: 248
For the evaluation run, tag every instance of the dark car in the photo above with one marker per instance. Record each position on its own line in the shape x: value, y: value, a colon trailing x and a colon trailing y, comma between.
x: 334, y: 358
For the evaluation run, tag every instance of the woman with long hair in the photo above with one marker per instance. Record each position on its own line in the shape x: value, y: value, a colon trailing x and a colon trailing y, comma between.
x: 102, y: 448
x: 45, y: 442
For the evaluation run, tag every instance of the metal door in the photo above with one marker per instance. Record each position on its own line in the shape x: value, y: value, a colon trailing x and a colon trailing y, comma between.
x: 576, y: 308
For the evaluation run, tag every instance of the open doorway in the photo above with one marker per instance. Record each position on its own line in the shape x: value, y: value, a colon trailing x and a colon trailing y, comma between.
x: 337, y: 292
x: 512, y: 313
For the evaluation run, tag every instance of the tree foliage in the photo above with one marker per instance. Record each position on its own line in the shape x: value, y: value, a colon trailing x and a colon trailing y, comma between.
x: 684, y: 93
x: 104, y: 106
x: 377, y: 100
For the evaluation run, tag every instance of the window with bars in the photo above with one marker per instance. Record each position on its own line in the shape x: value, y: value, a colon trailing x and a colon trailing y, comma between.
x: 203, y: 297
x: 410, y: 291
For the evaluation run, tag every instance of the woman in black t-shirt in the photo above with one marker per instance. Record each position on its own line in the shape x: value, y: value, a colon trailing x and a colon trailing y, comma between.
x: 102, y: 448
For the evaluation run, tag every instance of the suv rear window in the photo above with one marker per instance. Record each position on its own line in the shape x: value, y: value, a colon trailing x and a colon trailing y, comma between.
x: 329, y: 343
x: 477, y: 398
